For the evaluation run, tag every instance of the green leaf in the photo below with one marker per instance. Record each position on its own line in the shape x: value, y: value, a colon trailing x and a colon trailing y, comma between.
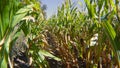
x: 16, y: 35
x: 90, y: 8
x: 41, y: 57
x: 20, y: 14
x: 100, y: 4
x: 3, y: 63
x: 4, y: 55
x: 112, y: 34
x: 4, y: 17
x: 110, y: 30
x: 18, y: 18
x: 45, y: 53
x: 26, y: 28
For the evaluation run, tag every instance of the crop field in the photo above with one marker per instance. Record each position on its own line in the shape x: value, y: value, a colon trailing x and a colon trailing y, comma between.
x: 71, y: 38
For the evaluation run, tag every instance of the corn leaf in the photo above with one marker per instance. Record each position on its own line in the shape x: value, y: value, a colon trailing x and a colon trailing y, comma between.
x: 45, y: 53
x: 20, y: 14
x: 90, y: 8
x: 112, y: 35
x: 3, y: 63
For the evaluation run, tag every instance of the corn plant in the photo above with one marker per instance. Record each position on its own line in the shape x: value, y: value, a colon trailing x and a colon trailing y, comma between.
x: 70, y: 34
x: 36, y: 40
x: 107, y: 12
x: 11, y: 16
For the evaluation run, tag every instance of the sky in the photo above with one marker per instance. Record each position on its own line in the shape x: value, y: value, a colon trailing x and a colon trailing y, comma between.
x: 52, y: 5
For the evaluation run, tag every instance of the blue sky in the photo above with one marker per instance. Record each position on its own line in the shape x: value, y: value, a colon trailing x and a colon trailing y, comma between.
x: 53, y: 4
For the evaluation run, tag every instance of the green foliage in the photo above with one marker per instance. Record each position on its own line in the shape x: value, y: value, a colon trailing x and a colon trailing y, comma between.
x: 70, y: 26
x: 107, y: 21
x: 10, y: 17
x: 67, y: 37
